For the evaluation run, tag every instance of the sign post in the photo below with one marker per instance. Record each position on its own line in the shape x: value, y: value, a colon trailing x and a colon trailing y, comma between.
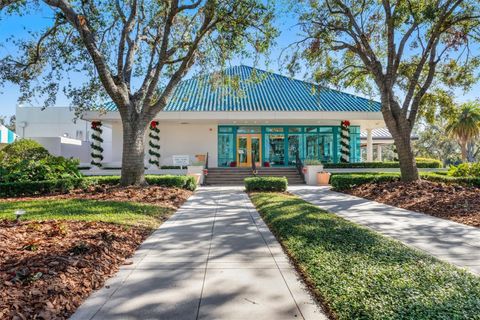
x: 181, y: 160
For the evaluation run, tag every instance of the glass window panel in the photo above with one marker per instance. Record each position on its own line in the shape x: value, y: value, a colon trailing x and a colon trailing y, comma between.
x: 295, y: 144
x: 325, y: 146
x: 242, y: 150
x: 225, y: 129
x: 325, y: 129
x: 256, y: 148
x: 311, y: 129
x: 278, y: 129
x: 294, y: 129
x: 225, y: 149
x: 275, y: 149
x: 311, y: 146
x: 249, y: 130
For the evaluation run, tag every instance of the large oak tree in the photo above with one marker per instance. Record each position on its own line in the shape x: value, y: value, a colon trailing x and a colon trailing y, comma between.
x: 133, y: 52
x: 407, y: 52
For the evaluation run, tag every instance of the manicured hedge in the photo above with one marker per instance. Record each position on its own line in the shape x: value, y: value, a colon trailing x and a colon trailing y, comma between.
x: 277, y: 184
x: 345, y: 181
x: 171, y: 181
x: 421, y: 163
x: 29, y: 188
x: 467, y: 181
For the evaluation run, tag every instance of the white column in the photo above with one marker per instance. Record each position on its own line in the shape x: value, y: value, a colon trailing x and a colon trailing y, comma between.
x: 379, y: 153
x: 369, y: 146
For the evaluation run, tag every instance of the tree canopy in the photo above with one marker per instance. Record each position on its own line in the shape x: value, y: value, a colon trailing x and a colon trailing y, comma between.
x: 410, y: 54
x: 133, y: 52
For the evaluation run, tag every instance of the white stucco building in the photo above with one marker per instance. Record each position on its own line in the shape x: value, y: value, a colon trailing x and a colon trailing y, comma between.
x: 270, y: 119
x: 58, y: 130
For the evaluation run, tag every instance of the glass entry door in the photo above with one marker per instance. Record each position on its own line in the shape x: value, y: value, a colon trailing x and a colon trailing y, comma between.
x: 248, y: 145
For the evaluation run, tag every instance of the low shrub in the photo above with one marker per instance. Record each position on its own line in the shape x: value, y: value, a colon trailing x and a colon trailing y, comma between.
x: 30, y: 188
x: 421, y: 163
x: 170, y: 181
x: 347, y: 181
x: 465, y: 170
x: 27, y: 160
x: 272, y: 184
x: 440, y: 177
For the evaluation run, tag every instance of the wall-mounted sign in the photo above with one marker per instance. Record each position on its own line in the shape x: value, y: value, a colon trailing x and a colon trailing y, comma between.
x: 181, y: 160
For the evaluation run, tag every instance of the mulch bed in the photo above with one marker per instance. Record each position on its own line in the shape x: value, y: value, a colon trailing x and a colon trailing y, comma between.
x: 48, y: 268
x: 155, y: 195
x: 454, y: 202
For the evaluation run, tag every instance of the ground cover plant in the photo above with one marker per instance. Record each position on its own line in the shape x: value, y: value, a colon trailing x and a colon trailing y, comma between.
x: 360, y: 274
x: 67, y: 245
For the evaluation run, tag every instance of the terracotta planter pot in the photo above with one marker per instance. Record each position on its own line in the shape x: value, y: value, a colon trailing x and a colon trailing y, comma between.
x: 323, y: 178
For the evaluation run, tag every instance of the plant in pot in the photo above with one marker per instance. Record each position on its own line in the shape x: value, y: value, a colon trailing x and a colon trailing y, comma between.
x: 312, y: 167
x: 233, y: 164
x: 266, y: 164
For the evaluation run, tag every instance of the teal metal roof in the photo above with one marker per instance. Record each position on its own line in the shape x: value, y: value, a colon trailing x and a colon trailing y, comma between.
x: 252, y: 89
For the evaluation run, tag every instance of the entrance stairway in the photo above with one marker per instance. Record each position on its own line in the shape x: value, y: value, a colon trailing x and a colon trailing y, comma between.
x: 235, y: 176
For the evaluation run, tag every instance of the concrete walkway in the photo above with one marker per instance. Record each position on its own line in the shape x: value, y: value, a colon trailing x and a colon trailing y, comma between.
x: 449, y: 241
x: 214, y: 259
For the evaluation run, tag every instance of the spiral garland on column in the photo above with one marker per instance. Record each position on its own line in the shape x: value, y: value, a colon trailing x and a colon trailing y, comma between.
x: 96, y: 145
x: 345, y: 141
x: 154, y: 143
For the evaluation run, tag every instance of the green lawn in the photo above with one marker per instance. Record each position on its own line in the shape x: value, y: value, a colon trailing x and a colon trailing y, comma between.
x: 127, y: 213
x: 361, y: 274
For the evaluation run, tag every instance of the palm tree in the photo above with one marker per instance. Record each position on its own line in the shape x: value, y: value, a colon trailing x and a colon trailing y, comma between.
x: 465, y: 126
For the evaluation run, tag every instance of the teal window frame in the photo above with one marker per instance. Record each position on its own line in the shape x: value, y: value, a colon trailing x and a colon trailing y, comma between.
x: 303, y: 131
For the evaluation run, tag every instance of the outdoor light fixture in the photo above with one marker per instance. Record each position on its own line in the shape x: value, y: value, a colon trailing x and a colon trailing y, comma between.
x: 19, y: 213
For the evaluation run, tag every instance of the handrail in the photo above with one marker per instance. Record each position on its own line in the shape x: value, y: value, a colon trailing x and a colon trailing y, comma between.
x: 205, y: 172
x: 254, y: 166
x: 299, y: 164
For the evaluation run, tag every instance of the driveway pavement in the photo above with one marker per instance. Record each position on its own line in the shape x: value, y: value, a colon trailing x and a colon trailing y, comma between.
x: 214, y: 259
x: 447, y: 240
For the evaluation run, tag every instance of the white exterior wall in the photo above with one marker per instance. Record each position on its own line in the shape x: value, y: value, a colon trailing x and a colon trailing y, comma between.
x: 175, y: 139
x: 66, y: 147
x: 56, y: 122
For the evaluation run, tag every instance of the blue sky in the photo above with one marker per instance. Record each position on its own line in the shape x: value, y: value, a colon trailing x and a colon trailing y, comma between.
x: 19, y: 26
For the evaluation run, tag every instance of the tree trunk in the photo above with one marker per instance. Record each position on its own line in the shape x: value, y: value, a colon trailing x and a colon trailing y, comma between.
x: 400, y: 131
x: 408, y: 165
x: 133, y: 166
x: 463, y: 148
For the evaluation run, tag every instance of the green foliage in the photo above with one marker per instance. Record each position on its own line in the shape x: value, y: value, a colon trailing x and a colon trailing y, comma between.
x: 421, y: 163
x: 465, y: 170
x: 22, y: 149
x: 360, y: 274
x: 30, y: 188
x: 27, y: 161
x: 273, y: 184
x: 465, y: 126
x: 312, y: 162
x: 170, y: 181
x: 126, y: 213
x: 347, y: 181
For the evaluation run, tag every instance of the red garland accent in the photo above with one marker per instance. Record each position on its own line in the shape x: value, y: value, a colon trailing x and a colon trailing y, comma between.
x: 346, y: 123
x: 304, y: 170
x: 153, y: 124
x: 96, y: 124
x: 205, y: 172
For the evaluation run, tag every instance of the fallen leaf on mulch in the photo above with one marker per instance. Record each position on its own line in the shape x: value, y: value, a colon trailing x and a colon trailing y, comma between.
x: 166, y: 197
x: 51, y: 281
x: 454, y: 202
